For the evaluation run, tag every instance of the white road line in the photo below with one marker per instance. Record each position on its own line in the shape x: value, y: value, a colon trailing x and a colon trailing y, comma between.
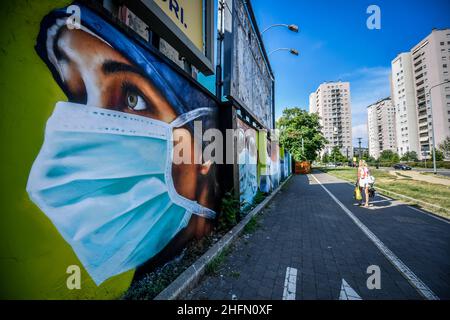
x: 347, y: 292
x: 290, y: 284
x: 430, y: 215
x: 414, y: 280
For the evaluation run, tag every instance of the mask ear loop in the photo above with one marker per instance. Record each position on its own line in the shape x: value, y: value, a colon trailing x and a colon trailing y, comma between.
x: 189, y: 116
x: 192, y: 206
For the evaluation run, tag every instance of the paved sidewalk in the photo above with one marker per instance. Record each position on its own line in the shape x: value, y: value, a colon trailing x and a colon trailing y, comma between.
x: 307, y: 247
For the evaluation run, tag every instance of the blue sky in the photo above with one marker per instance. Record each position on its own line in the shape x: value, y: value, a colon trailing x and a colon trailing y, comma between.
x: 334, y: 43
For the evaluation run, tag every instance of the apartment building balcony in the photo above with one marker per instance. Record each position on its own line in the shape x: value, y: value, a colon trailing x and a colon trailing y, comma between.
x: 420, y: 93
x: 421, y: 101
x: 423, y: 130
x: 422, y: 111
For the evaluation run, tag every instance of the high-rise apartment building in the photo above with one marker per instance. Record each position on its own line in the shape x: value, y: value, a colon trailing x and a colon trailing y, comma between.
x: 381, y: 127
x: 430, y: 63
x: 332, y: 103
x: 421, y: 70
x: 404, y: 101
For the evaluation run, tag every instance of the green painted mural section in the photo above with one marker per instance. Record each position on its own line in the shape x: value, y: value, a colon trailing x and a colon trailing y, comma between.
x: 33, y: 255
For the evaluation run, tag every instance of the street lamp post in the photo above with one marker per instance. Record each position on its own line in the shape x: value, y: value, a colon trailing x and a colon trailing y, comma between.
x: 292, y: 27
x: 291, y: 51
x: 359, y: 143
x: 432, y: 124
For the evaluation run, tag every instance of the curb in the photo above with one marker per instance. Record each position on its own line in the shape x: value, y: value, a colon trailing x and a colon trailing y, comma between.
x: 191, y: 276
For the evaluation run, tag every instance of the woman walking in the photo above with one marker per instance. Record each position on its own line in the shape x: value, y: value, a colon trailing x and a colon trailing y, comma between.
x: 363, y: 180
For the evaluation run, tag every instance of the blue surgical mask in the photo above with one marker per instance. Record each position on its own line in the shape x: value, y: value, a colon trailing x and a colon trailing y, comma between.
x: 104, y: 178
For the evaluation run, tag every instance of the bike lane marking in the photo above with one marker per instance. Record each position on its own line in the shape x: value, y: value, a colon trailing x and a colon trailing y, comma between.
x: 290, y: 284
x: 413, y: 279
x: 347, y: 292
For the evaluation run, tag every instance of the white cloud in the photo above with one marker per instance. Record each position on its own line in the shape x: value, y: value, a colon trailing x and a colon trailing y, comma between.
x: 367, y: 85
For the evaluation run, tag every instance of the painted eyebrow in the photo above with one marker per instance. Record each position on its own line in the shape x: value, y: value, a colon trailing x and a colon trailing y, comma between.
x: 110, y: 67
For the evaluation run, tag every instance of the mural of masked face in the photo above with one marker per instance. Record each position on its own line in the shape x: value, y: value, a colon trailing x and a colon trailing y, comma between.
x: 106, y: 179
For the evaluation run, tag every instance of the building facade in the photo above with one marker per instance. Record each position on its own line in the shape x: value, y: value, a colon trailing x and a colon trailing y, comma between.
x: 331, y: 101
x: 403, y: 99
x: 419, y: 99
x: 381, y: 127
x: 430, y: 62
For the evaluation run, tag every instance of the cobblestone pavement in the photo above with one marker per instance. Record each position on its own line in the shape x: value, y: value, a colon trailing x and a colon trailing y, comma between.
x: 308, y: 247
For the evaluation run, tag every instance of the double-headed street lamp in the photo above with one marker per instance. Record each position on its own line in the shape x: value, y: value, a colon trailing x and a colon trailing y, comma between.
x: 432, y: 123
x: 293, y: 28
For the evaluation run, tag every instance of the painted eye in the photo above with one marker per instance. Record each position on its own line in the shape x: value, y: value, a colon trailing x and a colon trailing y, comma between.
x: 136, y: 102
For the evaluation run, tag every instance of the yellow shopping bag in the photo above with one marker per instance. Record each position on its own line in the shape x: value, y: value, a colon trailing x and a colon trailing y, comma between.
x: 358, y: 195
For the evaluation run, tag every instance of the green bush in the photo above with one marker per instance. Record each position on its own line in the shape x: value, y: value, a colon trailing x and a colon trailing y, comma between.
x: 429, y: 164
x: 229, y: 212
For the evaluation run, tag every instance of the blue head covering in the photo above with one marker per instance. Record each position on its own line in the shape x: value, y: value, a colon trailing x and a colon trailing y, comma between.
x: 182, y: 95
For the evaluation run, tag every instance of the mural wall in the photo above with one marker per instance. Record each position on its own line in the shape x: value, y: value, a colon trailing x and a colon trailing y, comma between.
x: 268, y: 163
x: 248, y: 160
x: 285, y: 164
x: 93, y: 120
x: 90, y: 124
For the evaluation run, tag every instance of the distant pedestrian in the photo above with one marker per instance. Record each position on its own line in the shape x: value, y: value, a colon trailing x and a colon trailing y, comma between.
x: 363, y: 180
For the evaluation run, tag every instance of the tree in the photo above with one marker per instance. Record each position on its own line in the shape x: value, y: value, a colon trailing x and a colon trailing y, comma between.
x: 371, y: 160
x: 337, y: 156
x: 365, y: 155
x: 325, y: 158
x: 444, y: 146
x: 296, y: 124
x: 388, y: 156
x: 410, y: 156
x: 439, y: 155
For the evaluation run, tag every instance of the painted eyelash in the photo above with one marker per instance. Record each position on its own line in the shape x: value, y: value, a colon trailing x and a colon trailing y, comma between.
x: 128, y: 87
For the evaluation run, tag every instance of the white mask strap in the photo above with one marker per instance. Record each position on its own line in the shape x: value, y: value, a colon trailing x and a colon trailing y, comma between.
x: 189, y: 116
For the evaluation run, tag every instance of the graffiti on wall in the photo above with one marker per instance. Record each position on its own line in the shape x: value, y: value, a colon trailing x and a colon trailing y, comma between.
x: 247, y: 160
x: 275, y: 172
x: 104, y: 175
x: 268, y: 163
x: 88, y: 165
x: 285, y: 160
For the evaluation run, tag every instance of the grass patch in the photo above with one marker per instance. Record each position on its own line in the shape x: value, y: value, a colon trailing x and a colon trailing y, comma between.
x: 154, y: 282
x: 431, y: 193
x: 235, y: 274
x: 252, y: 225
x: 213, y: 267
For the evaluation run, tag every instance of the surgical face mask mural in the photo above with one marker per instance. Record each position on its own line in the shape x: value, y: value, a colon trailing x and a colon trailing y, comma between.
x: 104, y: 175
